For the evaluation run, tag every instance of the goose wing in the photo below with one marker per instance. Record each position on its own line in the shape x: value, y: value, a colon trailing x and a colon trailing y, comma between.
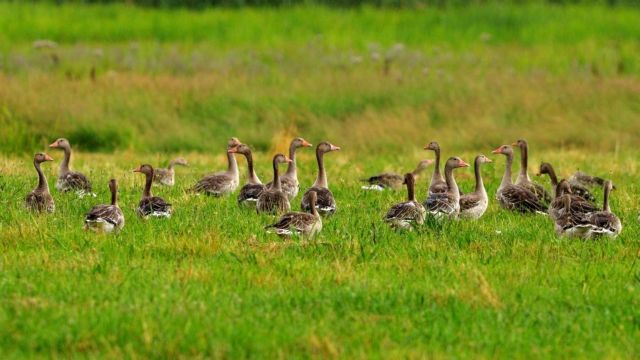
x: 521, y: 199
x: 77, y: 181
x: 216, y: 184
x: 155, y: 206
x: 250, y: 192
x: 325, y: 203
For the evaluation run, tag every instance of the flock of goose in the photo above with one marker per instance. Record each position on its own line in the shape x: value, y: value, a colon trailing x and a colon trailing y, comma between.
x: 571, y: 205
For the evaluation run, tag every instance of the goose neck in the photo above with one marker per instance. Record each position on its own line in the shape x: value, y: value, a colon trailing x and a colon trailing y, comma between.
x: 291, y: 169
x: 321, y: 180
x: 42, y: 180
x: 276, y: 177
x: 506, y: 178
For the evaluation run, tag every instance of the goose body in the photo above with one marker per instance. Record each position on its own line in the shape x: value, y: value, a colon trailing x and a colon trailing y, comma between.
x: 149, y: 205
x: 447, y: 204
x: 474, y: 205
x: 289, y: 181
x: 578, y: 207
x: 523, y: 178
x: 167, y: 176
x: 605, y: 222
x: 299, y: 223
x: 577, y: 189
x: 392, y: 181
x: 273, y: 200
x: 406, y: 215
x: 40, y: 199
x: 221, y: 183
x: 69, y: 180
x: 325, y: 202
x: 514, y: 197
x: 106, y: 218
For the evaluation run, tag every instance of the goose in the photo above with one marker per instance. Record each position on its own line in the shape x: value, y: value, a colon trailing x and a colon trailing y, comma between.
x: 167, y: 176
x: 69, y: 180
x: 514, y: 197
x: 150, y: 205
x: 299, y: 223
x: 221, y: 183
x: 406, y: 215
x: 106, y: 218
x: 391, y: 180
x: 326, y: 204
x: 40, y: 199
x: 447, y: 204
x: 578, y: 207
x: 273, y: 200
x: 473, y: 205
x: 250, y: 192
x: 438, y: 183
x: 523, y: 178
x: 580, y: 178
x: 576, y: 188
x: 289, y: 181
x: 603, y: 223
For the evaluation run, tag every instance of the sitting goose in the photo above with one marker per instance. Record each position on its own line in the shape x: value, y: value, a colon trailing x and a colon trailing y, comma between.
x: 577, y: 207
x: 576, y: 188
x: 391, y: 180
x: 438, y: 184
x: 289, y: 180
x: 221, y: 183
x: 299, y: 223
x: 580, y: 178
x: 603, y: 223
x: 70, y: 180
x: 473, y: 205
x: 250, y: 192
x: 406, y: 215
x: 167, y: 176
x: 273, y: 200
x: 106, y: 218
x: 523, y: 177
x: 447, y: 204
x: 150, y: 205
x: 326, y: 204
x: 514, y: 197
x: 40, y: 198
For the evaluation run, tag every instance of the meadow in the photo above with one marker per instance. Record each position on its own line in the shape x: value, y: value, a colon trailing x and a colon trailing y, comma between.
x: 128, y: 85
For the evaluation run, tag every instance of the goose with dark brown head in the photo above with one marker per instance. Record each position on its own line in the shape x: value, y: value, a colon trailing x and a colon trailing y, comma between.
x: 447, y: 204
x: 222, y: 183
x: 576, y: 189
x: 514, y: 197
x: 326, y: 203
x: 473, y: 205
x: 408, y: 214
x: 106, y: 218
x: 40, y: 199
x: 167, y: 176
x: 272, y: 199
x: 250, y: 192
x: 299, y: 223
x: 69, y: 180
x: 523, y: 178
x: 393, y: 181
x: 150, y: 205
x: 289, y: 181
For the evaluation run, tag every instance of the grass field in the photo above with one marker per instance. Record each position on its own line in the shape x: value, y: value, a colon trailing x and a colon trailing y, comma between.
x: 210, y: 283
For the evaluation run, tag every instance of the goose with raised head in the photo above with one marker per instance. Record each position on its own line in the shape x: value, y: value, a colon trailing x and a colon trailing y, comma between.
x: 106, y: 218
x: 150, y: 205
x: 447, y: 204
x: 222, y: 183
x: 167, y: 176
x: 515, y: 197
x: 438, y: 183
x: 393, y: 181
x: 273, y: 200
x: 326, y: 203
x: 69, y: 180
x: 250, y: 192
x: 473, y: 205
x: 40, y: 199
x: 605, y: 222
x: 299, y: 223
x: 408, y: 214
x: 289, y: 181
x: 576, y: 188
x: 523, y: 178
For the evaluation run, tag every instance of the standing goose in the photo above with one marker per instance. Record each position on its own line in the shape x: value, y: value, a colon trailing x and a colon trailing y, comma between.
x: 447, y: 204
x: 576, y: 188
x: 438, y: 184
x: 299, y: 223
x: 406, y: 215
x: 150, y: 205
x: 250, y: 192
x: 473, y: 205
x: 40, y: 198
x: 167, y: 176
x: 221, y: 183
x: 290, y: 184
x: 106, y: 218
x: 273, y: 200
x: 523, y: 178
x: 69, y: 180
x: 326, y: 204
x: 391, y: 180
x: 514, y: 197
x: 603, y: 223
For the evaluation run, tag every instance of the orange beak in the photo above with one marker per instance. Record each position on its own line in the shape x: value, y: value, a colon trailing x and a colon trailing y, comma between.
x: 287, y: 159
x: 497, y: 151
x: 47, y: 157
x: 489, y: 160
x: 54, y: 144
x: 137, y: 169
x: 335, y: 148
x: 305, y: 143
x: 426, y: 147
x: 463, y: 164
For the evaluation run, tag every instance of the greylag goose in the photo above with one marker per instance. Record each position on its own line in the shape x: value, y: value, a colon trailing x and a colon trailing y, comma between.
x: 221, y: 183
x: 326, y: 204
x: 406, y: 215
x: 167, y: 176
x: 580, y: 178
x: 577, y: 206
x: 106, y: 218
x: 250, y: 192
x: 446, y: 204
x: 438, y: 184
x: 603, y: 223
x: 473, y: 205
x: 150, y: 205
x: 523, y: 178
x: 40, y: 198
x: 69, y: 180
x: 576, y: 188
x: 273, y: 200
x: 290, y: 184
x: 514, y: 197
x: 391, y: 180
x: 299, y: 223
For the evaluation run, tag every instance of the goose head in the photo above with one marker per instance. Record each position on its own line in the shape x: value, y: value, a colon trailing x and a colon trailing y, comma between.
x: 423, y: 164
x: 42, y: 157
x: 240, y: 149
x: 61, y: 143
x: 504, y: 150
x: 432, y: 146
x: 113, y: 185
x: 545, y: 169
x: 608, y: 186
x: 145, y: 169
x: 521, y: 143
x: 563, y: 188
x: 325, y: 147
x: 408, y: 179
x: 233, y: 142
x: 455, y: 162
x: 481, y: 159
x: 281, y: 159
x: 300, y: 142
